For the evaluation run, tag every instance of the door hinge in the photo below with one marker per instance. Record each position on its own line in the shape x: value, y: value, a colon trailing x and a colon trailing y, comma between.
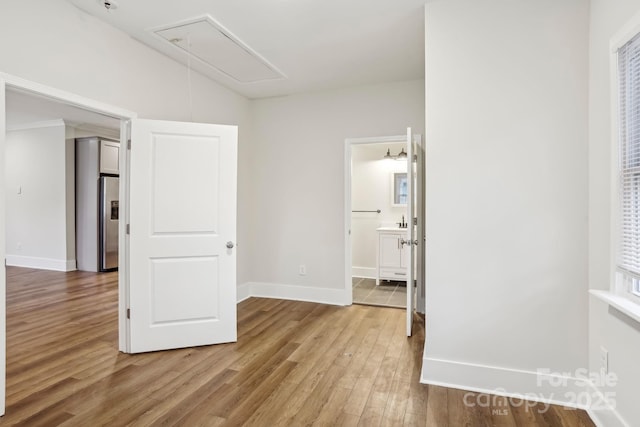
x: 415, y: 220
x: 128, y: 313
x: 128, y: 144
x: 128, y: 229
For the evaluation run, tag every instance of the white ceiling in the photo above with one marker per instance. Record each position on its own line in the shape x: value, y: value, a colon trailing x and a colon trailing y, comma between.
x: 316, y: 44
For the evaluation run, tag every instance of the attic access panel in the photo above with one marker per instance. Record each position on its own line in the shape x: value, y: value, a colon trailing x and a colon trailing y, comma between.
x: 208, y: 41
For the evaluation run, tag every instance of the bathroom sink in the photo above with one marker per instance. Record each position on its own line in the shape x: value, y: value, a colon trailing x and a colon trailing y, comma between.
x: 391, y: 229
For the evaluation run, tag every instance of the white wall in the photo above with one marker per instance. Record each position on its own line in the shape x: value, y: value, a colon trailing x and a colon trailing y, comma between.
x: 607, y: 327
x: 39, y: 209
x: 298, y: 176
x: 54, y: 43
x: 372, y: 189
x: 506, y: 188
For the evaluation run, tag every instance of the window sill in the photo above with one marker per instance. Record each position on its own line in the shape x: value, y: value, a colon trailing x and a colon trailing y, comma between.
x: 622, y: 304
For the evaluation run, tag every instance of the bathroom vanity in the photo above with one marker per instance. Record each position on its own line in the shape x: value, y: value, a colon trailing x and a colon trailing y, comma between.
x: 392, y: 256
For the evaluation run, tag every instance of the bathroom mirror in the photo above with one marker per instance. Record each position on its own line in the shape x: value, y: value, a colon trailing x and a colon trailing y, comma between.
x: 399, y: 187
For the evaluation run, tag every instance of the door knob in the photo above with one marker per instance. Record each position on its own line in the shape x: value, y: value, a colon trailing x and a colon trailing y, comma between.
x: 230, y: 245
x: 408, y: 242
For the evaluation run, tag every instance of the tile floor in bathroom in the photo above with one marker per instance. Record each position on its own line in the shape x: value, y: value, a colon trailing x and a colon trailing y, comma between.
x: 388, y: 293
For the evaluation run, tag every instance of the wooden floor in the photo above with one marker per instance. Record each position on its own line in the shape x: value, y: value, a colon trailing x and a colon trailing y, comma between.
x: 295, y: 364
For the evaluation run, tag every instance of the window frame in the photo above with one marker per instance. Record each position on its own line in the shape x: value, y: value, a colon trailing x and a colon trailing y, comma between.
x: 624, y: 283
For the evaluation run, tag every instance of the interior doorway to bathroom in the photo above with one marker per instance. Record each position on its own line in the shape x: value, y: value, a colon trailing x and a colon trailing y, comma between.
x: 384, y: 243
x: 378, y: 213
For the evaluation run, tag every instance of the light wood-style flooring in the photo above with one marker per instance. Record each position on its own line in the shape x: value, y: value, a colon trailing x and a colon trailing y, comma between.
x: 295, y: 364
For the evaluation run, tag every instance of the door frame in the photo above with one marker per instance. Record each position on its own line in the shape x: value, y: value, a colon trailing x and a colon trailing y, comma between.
x: 349, y: 143
x: 8, y: 81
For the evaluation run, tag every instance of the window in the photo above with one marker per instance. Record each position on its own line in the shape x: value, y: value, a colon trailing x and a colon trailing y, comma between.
x: 629, y: 163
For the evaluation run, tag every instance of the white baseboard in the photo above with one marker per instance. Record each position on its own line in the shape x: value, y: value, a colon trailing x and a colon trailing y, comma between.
x: 364, y: 272
x: 242, y: 292
x: 293, y: 292
x: 551, y: 388
x: 41, y: 263
x: 604, y: 415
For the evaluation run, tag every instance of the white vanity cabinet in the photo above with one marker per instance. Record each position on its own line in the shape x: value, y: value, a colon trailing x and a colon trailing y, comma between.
x: 392, y: 255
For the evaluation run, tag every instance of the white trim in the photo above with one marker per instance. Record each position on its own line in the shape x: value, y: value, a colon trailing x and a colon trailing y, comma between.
x: 348, y: 259
x: 318, y: 295
x: 37, y: 125
x: 364, y: 272
x: 618, y: 302
x: 348, y: 143
x: 68, y: 98
x: 376, y: 140
x: 243, y: 292
x: 626, y: 33
x: 556, y: 389
x: 41, y: 263
x: 614, y: 187
x: 9, y: 82
x: 124, y: 336
x: 349, y: 270
x: 231, y: 36
x: 96, y: 130
x: 607, y: 416
x: 616, y: 287
x: 3, y: 241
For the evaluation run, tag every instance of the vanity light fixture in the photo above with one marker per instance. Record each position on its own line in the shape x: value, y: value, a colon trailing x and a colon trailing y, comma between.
x: 402, y: 155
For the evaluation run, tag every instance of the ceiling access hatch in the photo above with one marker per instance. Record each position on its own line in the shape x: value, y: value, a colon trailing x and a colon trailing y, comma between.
x: 209, y: 42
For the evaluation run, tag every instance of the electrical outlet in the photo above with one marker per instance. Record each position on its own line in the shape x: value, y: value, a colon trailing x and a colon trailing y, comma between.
x: 19, y: 245
x: 302, y: 270
x: 604, y: 360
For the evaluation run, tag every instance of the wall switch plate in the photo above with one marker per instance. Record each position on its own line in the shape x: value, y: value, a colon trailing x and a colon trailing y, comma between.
x: 604, y: 360
x: 302, y: 270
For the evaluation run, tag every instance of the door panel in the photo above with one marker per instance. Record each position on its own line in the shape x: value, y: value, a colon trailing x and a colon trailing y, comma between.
x: 182, y: 285
x: 390, y: 255
x: 179, y: 165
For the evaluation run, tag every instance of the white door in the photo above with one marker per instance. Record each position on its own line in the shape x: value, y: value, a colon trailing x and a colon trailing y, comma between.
x: 410, y: 240
x: 182, y: 232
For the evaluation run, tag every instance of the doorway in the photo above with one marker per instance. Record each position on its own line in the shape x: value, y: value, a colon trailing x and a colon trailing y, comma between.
x: 51, y: 222
x: 165, y: 167
x: 398, y: 244
x: 70, y: 103
x: 378, y: 207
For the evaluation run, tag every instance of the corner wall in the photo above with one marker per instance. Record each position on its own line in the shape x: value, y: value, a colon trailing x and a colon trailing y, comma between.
x: 608, y: 328
x: 506, y: 186
x: 297, y: 168
x: 39, y: 209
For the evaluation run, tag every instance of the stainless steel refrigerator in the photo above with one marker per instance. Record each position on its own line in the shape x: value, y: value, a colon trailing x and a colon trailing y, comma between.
x: 109, y: 214
x: 97, y: 205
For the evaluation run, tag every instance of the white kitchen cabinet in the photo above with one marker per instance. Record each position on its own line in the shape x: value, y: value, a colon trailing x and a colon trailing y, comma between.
x: 392, y: 255
x: 109, y: 157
